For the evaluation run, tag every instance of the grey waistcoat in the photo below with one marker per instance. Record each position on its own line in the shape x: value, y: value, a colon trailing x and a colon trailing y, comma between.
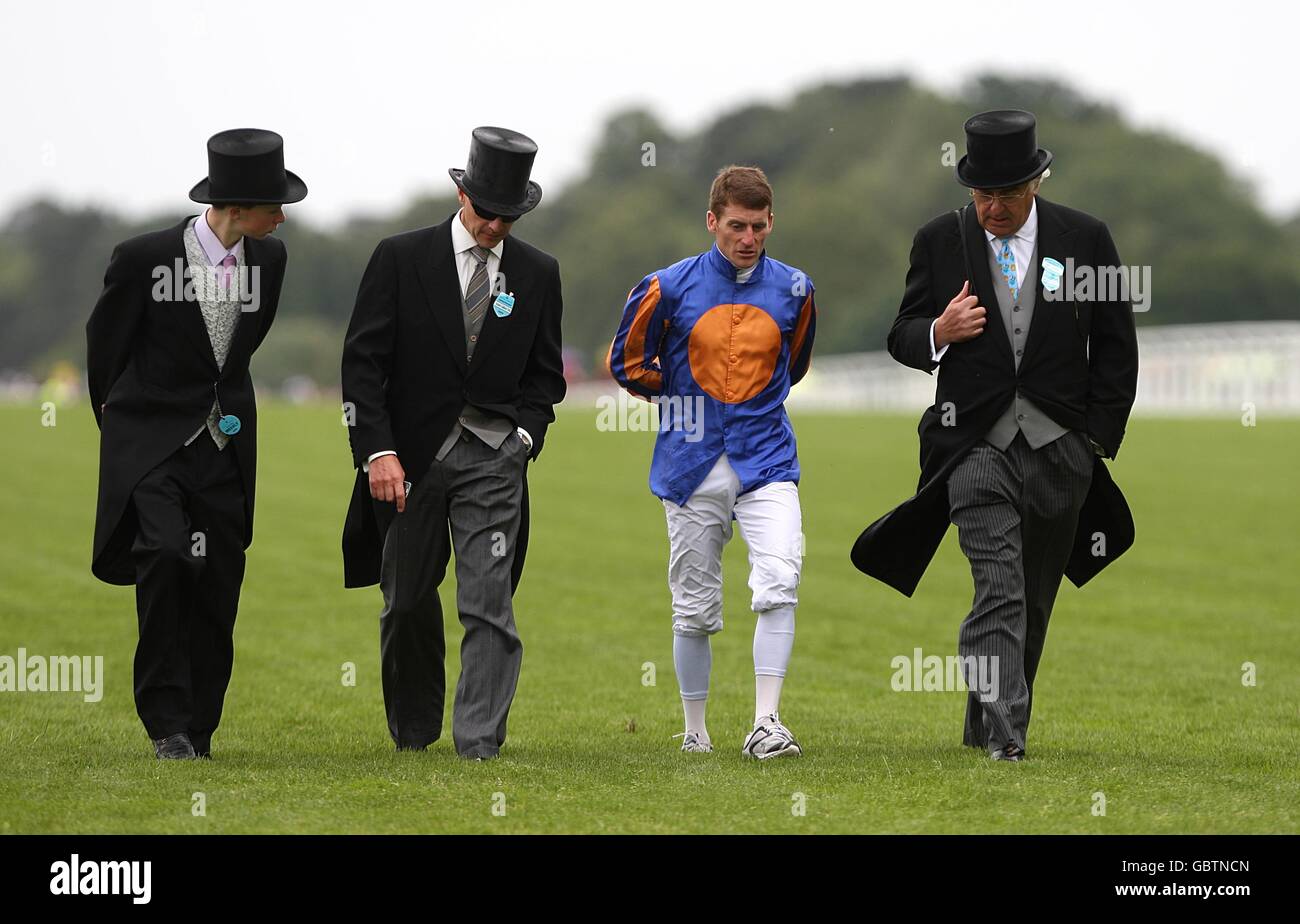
x: 1022, y: 414
x: 221, y: 311
x: 490, y: 428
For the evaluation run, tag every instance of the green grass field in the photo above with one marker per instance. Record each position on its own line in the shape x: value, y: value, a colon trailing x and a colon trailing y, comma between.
x: 1140, y: 695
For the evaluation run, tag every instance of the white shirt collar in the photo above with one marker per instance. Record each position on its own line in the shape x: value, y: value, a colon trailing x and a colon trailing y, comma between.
x: 462, y: 240
x: 211, y: 244
x: 1028, y: 231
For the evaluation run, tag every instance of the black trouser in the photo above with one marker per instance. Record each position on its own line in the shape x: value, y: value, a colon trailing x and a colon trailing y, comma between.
x: 1015, y: 514
x: 189, y: 565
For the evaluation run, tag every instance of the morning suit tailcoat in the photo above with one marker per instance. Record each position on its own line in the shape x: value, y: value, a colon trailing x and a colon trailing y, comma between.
x: 149, y: 362
x: 1079, y: 367
x: 406, y: 376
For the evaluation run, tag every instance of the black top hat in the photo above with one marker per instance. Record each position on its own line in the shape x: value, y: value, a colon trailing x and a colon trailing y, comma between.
x: 247, y: 165
x: 496, y: 174
x: 1001, y: 150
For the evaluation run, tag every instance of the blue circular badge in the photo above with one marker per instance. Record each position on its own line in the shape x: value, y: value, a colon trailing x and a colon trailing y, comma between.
x: 228, y: 424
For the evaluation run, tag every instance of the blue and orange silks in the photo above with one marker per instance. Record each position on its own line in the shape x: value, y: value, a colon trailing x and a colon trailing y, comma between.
x: 692, y: 333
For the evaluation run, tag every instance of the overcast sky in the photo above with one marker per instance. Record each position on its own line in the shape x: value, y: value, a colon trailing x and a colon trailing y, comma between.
x: 112, y: 103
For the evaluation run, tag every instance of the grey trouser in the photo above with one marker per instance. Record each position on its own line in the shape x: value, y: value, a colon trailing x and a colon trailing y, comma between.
x: 469, y: 500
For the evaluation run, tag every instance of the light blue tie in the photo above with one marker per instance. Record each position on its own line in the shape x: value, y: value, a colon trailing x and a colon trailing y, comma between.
x: 1008, y: 263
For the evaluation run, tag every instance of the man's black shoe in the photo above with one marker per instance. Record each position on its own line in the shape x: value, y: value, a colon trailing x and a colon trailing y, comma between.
x: 1009, y: 752
x: 174, y: 747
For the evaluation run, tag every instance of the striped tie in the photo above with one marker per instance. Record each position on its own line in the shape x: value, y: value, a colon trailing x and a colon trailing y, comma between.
x: 1008, y: 263
x: 476, y: 296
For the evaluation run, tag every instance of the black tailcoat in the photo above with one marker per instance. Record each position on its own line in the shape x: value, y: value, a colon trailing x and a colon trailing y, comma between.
x: 149, y: 364
x: 405, y: 376
x: 1079, y: 366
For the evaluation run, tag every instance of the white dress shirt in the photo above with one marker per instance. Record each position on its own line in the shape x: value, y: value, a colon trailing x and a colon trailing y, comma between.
x: 462, y: 245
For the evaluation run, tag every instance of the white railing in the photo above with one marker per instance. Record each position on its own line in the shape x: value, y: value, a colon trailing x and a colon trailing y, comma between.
x: 1185, y: 369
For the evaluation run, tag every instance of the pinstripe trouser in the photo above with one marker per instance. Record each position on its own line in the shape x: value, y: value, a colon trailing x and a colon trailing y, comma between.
x: 1015, y: 514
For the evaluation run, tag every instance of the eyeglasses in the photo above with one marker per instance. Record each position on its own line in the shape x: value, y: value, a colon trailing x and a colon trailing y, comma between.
x: 988, y: 198
x: 492, y: 216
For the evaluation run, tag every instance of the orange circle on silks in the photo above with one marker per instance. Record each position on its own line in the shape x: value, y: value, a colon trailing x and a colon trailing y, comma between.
x: 733, y: 351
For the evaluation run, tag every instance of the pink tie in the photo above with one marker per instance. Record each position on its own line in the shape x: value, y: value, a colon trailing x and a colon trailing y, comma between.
x: 227, y: 269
